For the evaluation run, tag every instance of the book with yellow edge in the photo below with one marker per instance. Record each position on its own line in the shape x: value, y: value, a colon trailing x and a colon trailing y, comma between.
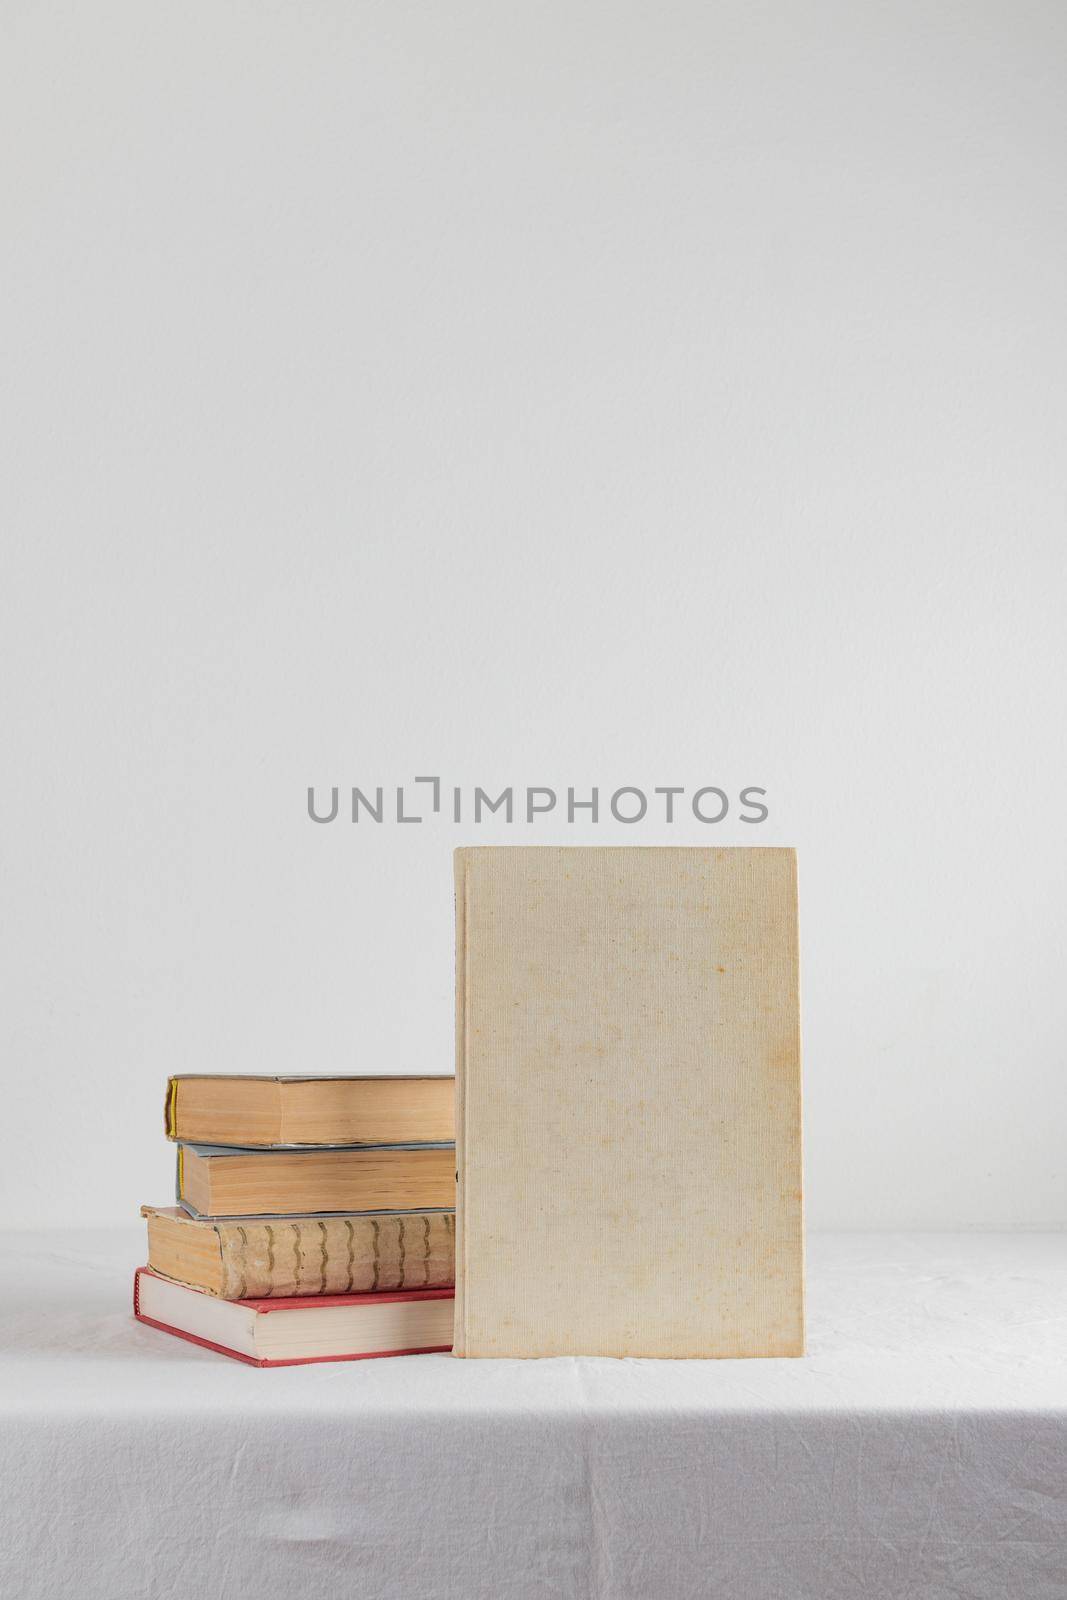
x: 261, y: 1112
x: 228, y: 1182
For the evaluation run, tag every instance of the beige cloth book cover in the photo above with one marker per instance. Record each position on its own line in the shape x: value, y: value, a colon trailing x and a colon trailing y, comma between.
x: 628, y: 1103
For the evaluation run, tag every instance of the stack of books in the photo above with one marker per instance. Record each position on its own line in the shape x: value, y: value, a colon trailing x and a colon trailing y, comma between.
x: 315, y: 1218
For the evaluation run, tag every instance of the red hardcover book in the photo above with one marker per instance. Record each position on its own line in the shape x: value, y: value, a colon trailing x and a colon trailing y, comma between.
x: 287, y: 1333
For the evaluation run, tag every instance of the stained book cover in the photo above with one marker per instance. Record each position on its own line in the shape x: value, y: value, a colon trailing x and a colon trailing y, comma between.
x: 628, y: 1103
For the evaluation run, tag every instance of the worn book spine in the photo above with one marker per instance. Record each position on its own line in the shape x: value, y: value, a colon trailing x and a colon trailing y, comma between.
x: 299, y: 1256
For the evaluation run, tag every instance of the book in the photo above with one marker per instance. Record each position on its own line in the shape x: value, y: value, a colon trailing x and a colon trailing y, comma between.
x: 259, y: 1111
x: 628, y: 1103
x: 285, y: 1333
x: 256, y: 1258
x: 226, y: 1182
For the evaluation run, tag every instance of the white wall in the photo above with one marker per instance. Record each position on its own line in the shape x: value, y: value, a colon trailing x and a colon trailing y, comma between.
x: 561, y: 393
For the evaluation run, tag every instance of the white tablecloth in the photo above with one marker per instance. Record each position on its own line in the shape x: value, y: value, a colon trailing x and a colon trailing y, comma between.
x: 919, y: 1450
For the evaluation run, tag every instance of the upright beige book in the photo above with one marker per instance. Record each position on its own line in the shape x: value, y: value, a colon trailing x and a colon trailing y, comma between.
x: 628, y: 1103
